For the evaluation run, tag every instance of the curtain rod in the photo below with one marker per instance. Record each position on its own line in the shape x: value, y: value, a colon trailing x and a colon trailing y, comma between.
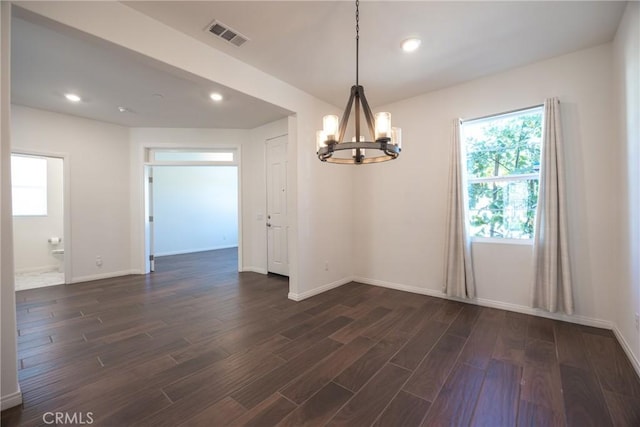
x: 503, y: 113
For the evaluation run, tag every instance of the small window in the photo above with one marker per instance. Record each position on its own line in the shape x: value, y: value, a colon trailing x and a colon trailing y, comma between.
x: 503, y: 172
x: 192, y: 156
x: 29, y: 185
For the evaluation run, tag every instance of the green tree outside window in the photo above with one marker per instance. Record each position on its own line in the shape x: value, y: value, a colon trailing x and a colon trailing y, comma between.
x: 503, y: 163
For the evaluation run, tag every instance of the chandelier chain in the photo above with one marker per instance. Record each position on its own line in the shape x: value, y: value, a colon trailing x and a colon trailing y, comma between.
x: 357, y: 40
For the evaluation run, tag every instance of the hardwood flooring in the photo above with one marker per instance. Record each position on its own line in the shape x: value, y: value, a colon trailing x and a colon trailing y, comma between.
x: 198, y: 344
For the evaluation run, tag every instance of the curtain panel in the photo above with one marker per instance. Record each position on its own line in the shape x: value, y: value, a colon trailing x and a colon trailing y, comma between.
x: 459, y: 280
x: 552, y: 274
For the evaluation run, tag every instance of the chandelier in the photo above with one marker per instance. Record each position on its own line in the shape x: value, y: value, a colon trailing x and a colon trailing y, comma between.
x: 387, y: 140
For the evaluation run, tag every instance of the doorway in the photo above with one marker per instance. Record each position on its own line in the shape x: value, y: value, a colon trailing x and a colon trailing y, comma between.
x: 192, y: 202
x: 38, y: 203
x: 277, y: 217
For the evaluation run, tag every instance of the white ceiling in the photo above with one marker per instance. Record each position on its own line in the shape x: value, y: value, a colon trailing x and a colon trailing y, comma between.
x: 48, y: 63
x: 309, y: 44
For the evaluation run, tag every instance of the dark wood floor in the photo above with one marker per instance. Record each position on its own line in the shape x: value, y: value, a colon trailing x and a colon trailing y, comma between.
x: 198, y: 344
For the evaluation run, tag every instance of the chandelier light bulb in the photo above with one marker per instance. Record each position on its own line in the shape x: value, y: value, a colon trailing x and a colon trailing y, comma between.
x: 330, y: 127
x: 396, y: 137
x: 321, y: 140
x: 383, y: 125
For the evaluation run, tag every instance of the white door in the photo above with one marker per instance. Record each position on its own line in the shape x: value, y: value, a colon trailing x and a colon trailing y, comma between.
x: 277, y: 225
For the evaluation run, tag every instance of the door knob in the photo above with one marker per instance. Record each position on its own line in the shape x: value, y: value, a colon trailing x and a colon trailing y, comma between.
x: 268, y: 224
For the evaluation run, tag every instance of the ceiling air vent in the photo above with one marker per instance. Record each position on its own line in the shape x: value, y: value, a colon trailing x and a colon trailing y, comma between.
x: 223, y: 31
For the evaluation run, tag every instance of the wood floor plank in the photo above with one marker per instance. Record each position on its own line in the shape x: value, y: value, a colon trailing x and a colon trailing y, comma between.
x: 481, y: 344
x: 511, y: 339
x: 456, y: 401
x: 360, y: 371
x: 542, y: 386
x: 319, y: 409
x: 268, y: 413
x: 431, y: 374
x: 466, y: 320
x: 571, y: 347
x: 365, y: 406
x: 449, y: 311
x: 389, y: 322
x: 354, y: 329
x: 313, y: 380
x: 412, y: 353
x: 583, y: 400
x: 218, y: 414
x: 227, y: 373
x: 497, y: 403
x: 256, y: 392
x: 312, y: 322
x: 540, y: 328
x: 532, y: 415
x: 611, y: 365
x: 404, y: 410
x: 312, y: 337
x: 624, y: 410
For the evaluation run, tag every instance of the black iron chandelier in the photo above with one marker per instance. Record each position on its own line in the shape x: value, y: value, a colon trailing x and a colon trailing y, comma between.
x: 387, y: 142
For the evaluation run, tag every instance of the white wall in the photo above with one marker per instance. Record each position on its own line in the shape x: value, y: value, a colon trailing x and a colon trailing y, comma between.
x: 32, y: 251
x: 98, y: 156
x: 400, y: 206
x: 195, y: 208
x: 627, y: 86
x: 9, y: 388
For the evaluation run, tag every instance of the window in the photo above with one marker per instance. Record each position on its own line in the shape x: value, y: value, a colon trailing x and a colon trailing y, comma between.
x: 503, y: 172
x: 192, y: 156
x: 29, y: 185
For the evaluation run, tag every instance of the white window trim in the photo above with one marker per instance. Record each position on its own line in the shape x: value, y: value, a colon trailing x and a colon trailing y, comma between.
x: 505, y: 178
x: 502, y: 241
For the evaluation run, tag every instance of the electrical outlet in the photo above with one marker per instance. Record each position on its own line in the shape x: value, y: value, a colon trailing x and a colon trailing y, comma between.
x: 99, y: 261
x: 638, y: 321
x: 326, y: 266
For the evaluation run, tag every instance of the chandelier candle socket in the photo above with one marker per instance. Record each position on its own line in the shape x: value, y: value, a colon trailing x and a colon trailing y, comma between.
x: 387, y: 140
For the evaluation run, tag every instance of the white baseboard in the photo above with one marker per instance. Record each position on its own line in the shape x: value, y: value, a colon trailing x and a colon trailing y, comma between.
x: 11, y: 400
x: 627, y: 349
x: 190, y: 251
x: 103, y: 276
x: 43, y: 269
x: 255, y: 269
x: 321, y: 289
x: 581, y: 320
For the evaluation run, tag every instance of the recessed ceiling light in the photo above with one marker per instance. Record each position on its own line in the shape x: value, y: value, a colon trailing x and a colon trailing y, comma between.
x: 410, y: 45
x: 124, y: 109
x: 72, y: 97
x: 216, y: 97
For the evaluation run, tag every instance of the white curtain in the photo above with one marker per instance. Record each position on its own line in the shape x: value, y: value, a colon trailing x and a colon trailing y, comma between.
x: 458, y: 274
x: 552, y: 277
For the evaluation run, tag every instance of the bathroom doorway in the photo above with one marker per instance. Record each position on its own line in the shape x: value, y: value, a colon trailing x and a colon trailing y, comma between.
x: 38, y: 220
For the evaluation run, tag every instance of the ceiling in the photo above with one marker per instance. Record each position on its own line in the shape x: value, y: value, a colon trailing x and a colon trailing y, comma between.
x: 47, y: 63
x: 309, y: 44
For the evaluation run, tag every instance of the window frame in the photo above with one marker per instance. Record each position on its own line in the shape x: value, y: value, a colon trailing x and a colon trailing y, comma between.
x: 468, y: 180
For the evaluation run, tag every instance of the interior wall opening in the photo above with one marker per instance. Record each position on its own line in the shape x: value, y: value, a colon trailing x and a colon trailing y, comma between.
x: 193, y: 203
x: 38, y: 220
